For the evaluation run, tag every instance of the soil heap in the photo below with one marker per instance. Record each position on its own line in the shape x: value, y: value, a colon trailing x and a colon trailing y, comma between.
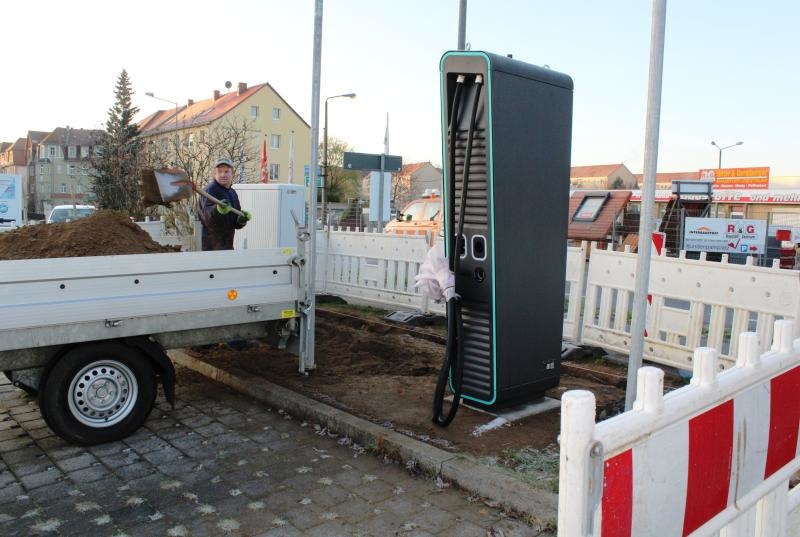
x: 103, y: 233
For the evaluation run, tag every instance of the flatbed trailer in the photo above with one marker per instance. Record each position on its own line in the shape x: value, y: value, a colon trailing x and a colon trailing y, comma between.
x: 89, y: 334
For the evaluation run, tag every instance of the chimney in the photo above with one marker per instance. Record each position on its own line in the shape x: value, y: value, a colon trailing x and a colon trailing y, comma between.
x: 242, y: 87
x: 190, y: 102
x: 216, y: 95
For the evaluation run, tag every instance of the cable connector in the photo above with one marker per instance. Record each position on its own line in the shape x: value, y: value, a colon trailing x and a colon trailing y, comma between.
x: 479, y: 79
x: 460, y: 79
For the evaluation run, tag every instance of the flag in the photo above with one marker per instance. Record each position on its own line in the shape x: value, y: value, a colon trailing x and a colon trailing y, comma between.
x: 386, y: 136
x: 264, y: 163
x: 291, y: 158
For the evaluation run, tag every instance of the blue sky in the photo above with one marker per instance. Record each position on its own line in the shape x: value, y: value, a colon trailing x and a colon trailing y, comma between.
x: 730, y: 68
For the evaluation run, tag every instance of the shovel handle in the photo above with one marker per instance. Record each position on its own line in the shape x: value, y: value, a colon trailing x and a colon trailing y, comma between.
x: 212, y: 199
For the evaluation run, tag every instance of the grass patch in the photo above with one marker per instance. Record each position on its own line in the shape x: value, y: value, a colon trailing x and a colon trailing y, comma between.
x: 537, y: 467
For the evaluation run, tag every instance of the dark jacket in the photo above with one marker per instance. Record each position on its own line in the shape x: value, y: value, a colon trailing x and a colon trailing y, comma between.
x: 218, y: 229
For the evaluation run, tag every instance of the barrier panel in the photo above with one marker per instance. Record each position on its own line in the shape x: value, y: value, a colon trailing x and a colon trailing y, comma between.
x: 380, y: 268
x: 713, y: 456
x: 695, y: 303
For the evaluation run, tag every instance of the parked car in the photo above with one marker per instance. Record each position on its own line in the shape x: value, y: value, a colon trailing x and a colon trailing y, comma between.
x: 419, y: 216
x: 66, y: 213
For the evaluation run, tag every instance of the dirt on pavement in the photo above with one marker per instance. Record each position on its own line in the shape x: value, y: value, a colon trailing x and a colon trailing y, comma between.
x: 387, y: 375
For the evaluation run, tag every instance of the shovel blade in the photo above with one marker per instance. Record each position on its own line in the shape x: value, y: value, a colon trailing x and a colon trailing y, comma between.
x: 165, y: 185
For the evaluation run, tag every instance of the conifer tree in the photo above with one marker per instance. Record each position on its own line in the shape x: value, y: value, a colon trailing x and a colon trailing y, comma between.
x: 115, y: 163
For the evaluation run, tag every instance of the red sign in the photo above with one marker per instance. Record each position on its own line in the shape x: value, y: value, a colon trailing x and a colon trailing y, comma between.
x: 775, y: 197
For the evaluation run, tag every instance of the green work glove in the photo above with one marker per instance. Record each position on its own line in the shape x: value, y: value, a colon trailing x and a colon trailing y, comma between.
x: 242, y: 220
x: 224, y: 207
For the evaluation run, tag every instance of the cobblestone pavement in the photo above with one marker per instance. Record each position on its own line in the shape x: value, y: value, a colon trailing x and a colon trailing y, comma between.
x: 218, y: 464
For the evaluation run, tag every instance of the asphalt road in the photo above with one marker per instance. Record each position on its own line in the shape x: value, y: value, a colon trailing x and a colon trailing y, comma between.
x: 219, y: 464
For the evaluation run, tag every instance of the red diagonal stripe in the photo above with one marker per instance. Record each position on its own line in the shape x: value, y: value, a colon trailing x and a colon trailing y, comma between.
x: 618, y: 495
x: 710, y: 453
x: 784, y: 419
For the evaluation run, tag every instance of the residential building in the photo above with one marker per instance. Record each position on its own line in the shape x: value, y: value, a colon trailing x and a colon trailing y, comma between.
x: 602, y: 177
x: 12, y: 158
x: 252, y: 115
x: 58, y: 167
x: 409, y: 183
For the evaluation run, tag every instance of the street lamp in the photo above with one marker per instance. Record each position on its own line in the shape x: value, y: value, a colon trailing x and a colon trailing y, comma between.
x: 325, y: 157
x: 719, y: 164
x: 150, y: 94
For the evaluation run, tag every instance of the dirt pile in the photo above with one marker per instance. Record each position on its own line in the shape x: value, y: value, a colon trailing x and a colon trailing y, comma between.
x: 103, y: 233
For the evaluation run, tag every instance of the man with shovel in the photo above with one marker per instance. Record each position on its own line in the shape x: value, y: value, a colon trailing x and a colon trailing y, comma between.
x: 220, y: 221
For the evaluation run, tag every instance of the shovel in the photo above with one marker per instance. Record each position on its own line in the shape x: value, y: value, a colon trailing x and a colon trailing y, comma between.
x: 165, y: 185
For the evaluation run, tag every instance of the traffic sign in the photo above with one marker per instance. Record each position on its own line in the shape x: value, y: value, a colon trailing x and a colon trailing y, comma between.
x: 307, y: 170
x: 372, y: 162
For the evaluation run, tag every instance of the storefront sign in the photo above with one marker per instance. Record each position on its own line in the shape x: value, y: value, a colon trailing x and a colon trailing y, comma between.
x: 778, y: 197
x: 724, y: 235
x: 728, y: 178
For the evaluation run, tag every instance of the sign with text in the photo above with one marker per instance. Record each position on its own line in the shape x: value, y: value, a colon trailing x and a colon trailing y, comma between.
x: 10, y: 200
x: 726, y: 178
x: 788, y: 196
x: 724, y: 235
x: 369, y: 161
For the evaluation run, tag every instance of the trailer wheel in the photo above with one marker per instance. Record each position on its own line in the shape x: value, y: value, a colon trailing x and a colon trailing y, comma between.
x: 98, y: 393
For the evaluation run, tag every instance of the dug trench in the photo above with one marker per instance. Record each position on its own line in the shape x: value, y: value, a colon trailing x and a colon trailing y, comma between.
x: 386, y: 373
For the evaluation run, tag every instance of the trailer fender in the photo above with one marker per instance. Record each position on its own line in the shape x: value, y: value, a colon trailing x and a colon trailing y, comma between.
x: 161, y: 363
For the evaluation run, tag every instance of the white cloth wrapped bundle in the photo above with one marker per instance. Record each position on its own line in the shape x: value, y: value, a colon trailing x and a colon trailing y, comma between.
x: 435, y: 280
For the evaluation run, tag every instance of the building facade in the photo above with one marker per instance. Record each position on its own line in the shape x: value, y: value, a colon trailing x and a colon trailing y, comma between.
x: 234, y: 125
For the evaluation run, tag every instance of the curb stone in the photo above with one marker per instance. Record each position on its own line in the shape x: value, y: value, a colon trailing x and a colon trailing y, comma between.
x: 460, y: 469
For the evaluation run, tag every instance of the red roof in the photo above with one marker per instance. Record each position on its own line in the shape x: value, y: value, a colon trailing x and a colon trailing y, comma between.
x: 600, y: 228
x: 599, y: 170
x: 201, y: 112
x: 414, y: 167
x: 668, y: 177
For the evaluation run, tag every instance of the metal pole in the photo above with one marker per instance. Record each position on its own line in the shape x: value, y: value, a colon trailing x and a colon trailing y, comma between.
x: 380, y: 193
x: 462, y: 24
x: 719, y: 163
x: 648, y: 194
x: 311, y: 221
x: 176, y: 134
x: 325, y: 157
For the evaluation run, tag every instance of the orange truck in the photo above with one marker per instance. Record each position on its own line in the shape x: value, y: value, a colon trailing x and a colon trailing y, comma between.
x: 419, y: 216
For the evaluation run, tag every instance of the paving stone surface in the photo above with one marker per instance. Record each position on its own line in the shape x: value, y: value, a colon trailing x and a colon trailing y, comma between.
x: 219, y: 464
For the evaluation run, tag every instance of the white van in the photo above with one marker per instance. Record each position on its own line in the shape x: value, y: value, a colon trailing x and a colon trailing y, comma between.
x: 66, y: 213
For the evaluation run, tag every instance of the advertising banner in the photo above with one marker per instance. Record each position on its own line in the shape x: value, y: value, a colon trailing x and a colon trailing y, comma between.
x: 10, y: 200
x: 724, y: 235
x: 727, y: 178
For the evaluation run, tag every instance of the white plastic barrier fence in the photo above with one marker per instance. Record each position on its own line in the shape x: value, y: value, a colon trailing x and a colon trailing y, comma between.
x: 714, y: 456
x: 695, y: 303
x: 371, y: 266
x: 381, y: 267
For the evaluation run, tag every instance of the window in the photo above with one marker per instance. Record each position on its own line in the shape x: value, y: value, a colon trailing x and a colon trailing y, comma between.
x: 72, y: 151
x: 85, y: 152
x: 275, y: 141
x: 432, y: 210
x: 79, y: 188
x: 274, y: 172
x: 71, y: 169
x: 63, y: 188
x: 414, y: 211
x: 51, y: 150
x: 42, y: 169
x: 589, y: 208
x: 276, y: 114
x: 254, y: 111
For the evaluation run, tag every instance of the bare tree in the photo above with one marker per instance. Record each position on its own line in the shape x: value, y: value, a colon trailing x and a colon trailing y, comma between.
x: 196, y: 152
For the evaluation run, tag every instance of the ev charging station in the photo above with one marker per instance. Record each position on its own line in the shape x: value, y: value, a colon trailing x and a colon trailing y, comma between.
x: 507, y: 128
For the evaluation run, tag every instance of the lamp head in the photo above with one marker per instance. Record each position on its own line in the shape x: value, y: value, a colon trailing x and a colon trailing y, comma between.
x: 150, y: 94
x: 714, y: 144
x: 350, y: 95
x: 739, y: 143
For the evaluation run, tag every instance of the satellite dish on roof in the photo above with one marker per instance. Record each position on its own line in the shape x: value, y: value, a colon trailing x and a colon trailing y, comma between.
x: 228, y: 84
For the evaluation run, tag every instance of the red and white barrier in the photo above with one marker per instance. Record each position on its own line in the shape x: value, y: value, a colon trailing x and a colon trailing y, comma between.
x: 713, y: 456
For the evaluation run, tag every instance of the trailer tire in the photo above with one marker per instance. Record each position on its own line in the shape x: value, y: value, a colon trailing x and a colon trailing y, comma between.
x: 97, y: 393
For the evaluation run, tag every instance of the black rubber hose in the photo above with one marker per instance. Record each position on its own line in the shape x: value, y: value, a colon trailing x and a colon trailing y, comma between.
x: 453, y: 365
